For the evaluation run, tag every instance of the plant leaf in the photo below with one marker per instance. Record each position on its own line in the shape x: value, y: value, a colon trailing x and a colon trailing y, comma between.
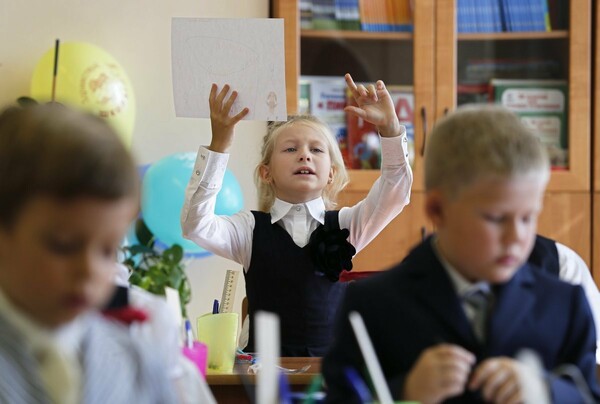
x: 143, y: 233
x: 139, y: 249
x: 174, y: 254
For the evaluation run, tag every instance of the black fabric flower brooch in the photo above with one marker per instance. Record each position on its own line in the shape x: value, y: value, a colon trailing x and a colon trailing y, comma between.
x: 329, y: 248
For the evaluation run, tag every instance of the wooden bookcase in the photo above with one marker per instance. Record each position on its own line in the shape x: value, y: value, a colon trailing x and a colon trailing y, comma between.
x: 567, y: 205
x: 596, y: 153
x: 436, y: 51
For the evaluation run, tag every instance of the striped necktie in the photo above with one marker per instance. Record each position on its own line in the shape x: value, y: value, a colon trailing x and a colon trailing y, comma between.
x: 58, y: 374
x: 479, y: 301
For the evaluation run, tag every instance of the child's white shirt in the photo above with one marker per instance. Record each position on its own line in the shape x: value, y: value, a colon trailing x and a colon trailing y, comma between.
x: 573, y: 269
x: 61, y: 371
x: 231, y: 236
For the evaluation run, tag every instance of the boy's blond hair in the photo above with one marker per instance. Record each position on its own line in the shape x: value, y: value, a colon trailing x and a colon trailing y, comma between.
x: 481, y: 140
x: 266, y: 192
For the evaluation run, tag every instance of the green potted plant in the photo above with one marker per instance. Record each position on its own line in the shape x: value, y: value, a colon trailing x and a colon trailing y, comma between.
x: 153, y: 269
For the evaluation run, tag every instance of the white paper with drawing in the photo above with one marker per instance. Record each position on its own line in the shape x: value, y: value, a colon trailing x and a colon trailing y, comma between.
x: 245, y: 53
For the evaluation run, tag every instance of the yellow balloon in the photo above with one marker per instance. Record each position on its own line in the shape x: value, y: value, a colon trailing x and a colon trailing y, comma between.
x: 90, y: 78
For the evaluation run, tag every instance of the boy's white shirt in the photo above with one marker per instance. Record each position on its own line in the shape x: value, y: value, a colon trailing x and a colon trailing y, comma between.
x: 574, y: 270
x: 231, y: 236
x: 63, y: 342
x: 161, y: 331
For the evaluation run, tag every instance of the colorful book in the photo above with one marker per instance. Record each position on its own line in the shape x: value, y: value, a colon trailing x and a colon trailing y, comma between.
x: 304, y: 97
x: 543, y: 107
x: 476, y: 93
x: 327, y: 99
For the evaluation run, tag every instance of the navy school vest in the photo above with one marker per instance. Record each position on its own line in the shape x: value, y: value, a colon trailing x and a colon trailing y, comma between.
x: 282, y: 279
x: 545, y: 255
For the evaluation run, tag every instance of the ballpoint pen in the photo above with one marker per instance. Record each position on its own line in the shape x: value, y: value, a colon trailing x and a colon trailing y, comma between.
x: 189, y: 335
x: 284, y: 389
x: 358, y: 384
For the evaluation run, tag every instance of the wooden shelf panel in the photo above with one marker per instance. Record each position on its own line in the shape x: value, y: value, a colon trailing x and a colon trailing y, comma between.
x: 509, y: 36
x: 362, y: 180
x: 360, y: 35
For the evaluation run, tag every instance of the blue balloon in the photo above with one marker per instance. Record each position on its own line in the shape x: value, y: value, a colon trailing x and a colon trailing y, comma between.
x: 230, y: 199
x: 163, y: 193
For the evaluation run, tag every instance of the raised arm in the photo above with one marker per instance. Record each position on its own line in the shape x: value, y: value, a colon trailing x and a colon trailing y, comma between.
x: 391, y: 192
x: 227, y: 236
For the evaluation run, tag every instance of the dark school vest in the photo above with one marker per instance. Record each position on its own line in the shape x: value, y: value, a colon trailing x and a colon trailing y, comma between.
x: 282, y: 279
x: 545, y: 255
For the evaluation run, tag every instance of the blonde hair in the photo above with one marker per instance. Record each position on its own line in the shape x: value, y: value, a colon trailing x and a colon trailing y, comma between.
x: 266, y: 192
x: 481, y: 140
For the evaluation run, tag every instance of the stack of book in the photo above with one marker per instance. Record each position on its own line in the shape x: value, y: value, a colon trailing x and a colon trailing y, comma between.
x: 357, y: 15
x: 326, y: 97
x: 510, y: 15
x: 542, y: 106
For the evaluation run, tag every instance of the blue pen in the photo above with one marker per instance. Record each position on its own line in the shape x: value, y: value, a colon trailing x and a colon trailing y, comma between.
x: 189, y: 335
x: 358, y: 384
x: 215, y: 307
x: 284, y: 390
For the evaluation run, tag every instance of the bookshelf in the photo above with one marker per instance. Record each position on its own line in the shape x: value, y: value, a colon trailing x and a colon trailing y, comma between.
x: 433, y: 60
x: 567, y: 205
x: 357, y: 35
x: 506, y: 36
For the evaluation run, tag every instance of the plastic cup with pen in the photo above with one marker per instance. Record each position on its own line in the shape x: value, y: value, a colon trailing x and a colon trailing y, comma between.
x: 194, y: 350
x: 219, y: 332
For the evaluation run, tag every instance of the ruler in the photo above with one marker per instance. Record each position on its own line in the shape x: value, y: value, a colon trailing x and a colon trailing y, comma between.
x: 229, y: 287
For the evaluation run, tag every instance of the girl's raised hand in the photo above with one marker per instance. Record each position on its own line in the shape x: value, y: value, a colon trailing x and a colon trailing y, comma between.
x: 221, y: 122
x: 375, y: 105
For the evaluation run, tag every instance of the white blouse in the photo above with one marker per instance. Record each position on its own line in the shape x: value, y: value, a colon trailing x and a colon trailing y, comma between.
x: 231, y: 236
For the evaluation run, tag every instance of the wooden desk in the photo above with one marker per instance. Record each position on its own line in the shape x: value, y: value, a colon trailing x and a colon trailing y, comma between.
x: 229, y: 387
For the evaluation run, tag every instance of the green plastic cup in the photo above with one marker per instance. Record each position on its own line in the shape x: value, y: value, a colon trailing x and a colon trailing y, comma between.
x: 219, y: 333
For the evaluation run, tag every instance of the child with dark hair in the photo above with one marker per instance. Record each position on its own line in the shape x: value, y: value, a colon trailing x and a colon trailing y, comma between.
x: 68, y: 191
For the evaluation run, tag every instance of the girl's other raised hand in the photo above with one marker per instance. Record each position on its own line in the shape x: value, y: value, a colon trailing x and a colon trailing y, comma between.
x: 221, y: 121
x: 375, y: 105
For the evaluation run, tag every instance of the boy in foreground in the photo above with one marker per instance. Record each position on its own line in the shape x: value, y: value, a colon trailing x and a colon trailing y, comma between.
x: 448, y: 321
x: 68, y: 191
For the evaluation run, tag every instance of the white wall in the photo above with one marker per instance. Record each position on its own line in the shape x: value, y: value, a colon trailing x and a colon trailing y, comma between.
x: 137, y: 34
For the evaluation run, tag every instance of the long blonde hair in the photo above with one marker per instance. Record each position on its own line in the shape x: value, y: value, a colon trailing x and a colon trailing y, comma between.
x: 266, y: 192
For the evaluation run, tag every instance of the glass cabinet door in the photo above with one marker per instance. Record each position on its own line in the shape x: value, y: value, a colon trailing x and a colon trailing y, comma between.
x: 531, y: 56
x: 391, y: 40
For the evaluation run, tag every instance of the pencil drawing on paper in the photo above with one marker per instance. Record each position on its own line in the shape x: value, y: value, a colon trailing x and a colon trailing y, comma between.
x: 247, y: 54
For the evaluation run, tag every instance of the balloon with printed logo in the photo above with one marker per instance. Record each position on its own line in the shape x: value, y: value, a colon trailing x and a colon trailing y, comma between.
x: 89, y: 78
x: 163, y: 194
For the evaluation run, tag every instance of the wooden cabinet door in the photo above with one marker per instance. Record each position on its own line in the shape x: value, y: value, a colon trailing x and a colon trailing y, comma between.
x: 565, y: 54
x: 397, y: 239
x: 567, y: 218
x: 398, y: 58
x: 596, y: 154
x: 596, y: 238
